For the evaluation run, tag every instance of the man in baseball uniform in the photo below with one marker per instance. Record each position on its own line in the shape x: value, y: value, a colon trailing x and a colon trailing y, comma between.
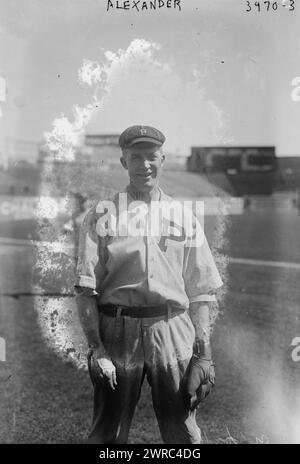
x: 144, y: 302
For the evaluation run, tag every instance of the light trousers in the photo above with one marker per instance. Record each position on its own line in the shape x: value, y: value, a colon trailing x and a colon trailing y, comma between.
x: 160, y: 349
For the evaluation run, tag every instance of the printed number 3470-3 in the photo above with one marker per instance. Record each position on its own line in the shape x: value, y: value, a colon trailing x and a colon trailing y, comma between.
x: 259, y: 6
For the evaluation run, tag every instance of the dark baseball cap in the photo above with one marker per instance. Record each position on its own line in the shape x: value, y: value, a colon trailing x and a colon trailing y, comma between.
x: 138, y: 134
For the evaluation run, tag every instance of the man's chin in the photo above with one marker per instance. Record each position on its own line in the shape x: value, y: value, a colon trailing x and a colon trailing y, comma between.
x: 145, y: 185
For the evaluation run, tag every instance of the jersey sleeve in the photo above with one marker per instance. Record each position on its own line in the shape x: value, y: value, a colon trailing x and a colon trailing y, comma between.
x: 200, y: 273
x: 88, y: 253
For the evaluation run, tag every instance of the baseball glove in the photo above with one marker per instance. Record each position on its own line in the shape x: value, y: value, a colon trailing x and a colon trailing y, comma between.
x: 101, y: 368
x: 198, y: 381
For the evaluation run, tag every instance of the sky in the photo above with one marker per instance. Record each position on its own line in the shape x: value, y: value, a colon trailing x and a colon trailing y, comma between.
x: 210, y: 74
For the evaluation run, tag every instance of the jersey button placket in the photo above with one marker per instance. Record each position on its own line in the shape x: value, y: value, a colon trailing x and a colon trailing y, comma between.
x: 150, y: 263
x: 144, y: 324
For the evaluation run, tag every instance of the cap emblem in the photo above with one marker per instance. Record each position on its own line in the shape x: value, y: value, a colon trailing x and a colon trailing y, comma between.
x: 143, y: 131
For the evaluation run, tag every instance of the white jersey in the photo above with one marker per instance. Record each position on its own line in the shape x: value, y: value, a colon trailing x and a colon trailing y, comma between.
x: 146, y: 269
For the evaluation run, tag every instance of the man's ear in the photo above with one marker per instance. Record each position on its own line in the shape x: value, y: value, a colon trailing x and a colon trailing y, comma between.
x: 163, y: 158
x: 123, y: 162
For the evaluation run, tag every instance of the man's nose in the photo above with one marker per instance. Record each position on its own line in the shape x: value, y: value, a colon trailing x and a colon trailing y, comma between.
x: 146, y: 163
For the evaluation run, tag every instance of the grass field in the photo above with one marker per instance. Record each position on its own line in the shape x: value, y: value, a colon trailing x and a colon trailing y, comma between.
x: 45, y: 398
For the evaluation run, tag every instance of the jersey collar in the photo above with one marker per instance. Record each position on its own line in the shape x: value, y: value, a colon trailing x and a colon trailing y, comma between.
x: 129, y: 192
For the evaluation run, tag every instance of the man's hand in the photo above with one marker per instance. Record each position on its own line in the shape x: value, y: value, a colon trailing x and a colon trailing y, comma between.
x: 199, y: 378
x: 100, y: 365
x: 198, y: 381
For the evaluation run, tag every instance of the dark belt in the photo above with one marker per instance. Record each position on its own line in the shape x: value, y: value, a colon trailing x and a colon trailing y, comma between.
x: 138, y: 311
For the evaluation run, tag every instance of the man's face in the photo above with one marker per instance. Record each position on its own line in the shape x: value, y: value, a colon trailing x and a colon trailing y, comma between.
x: 144, y: 163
